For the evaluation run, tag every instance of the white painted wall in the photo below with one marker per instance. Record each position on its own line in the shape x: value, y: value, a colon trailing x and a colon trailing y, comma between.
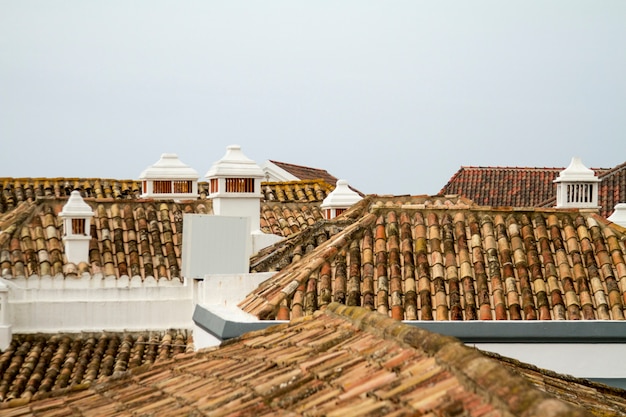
x: 50, y: 305
x: 228, y: 289
x: 203, y: 339
x: 582, y: 360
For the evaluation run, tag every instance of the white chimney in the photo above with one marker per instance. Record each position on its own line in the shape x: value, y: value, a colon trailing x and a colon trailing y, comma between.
x: 169, y: 178
x: 339, y: 200
x: 235, y: 186
x: 619, y: 215
x: 76, y: 215
x: 577, y: 186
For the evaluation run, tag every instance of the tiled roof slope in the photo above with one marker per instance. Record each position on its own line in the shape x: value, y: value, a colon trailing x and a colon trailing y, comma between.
x: 598, y: 398
x: 341, y: 362
x: 612, y: 190
x: 17, y: 190
x: 417, y: 261
x: 34, y: 365
x: 306, y: 173
x: 129, y: 238
x: 134, y: 237
x: 529, y: 187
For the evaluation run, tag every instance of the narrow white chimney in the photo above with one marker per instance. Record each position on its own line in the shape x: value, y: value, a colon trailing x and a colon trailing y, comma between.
x: 619, y: 215
x: 76, y: 215
x: 235, y: 186
x: 339, y: 200
x: 577, y: 186
x: 169, y: 177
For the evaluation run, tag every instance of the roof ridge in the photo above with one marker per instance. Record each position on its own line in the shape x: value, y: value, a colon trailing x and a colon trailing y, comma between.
x: 511, y: 392
x: 12, y: 220
x: 297, y: 165
x: 613, y: 170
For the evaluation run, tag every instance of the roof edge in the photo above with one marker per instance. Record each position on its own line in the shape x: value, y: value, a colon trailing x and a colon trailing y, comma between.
x: 510, y: 391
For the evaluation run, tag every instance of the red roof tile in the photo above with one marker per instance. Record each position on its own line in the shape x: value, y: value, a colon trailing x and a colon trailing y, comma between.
x: 529, y: 187
x: 306, y: 173
x: 343, y: 362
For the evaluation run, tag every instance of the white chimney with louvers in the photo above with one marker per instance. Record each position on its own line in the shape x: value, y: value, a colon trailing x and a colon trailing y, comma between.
x: 235, y: 186
x: 577, y: 186
x: 619, y: 215
x: 76, y: 215
x: 169, y: 177
x: 339, y: 200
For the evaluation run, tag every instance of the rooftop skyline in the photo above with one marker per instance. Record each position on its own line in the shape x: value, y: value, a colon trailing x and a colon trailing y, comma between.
x: 392, y: 97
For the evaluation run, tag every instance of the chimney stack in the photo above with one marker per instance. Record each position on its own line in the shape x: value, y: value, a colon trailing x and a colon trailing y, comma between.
x: 339, y: 200
x: 619, y: 215
x: 76, y: 215
x: 235, y: 186
x: 577, y: 186
x: 169, y: 178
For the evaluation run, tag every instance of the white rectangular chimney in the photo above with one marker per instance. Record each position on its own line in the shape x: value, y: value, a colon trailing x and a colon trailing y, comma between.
x: 215, y: 245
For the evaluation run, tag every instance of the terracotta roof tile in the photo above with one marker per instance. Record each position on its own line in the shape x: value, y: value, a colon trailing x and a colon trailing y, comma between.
x: 33, y: 365
x: 529, y: 187
x: 17, y: 190
x: 414, y: 259
x: 345, y: 361
x: 130, y: 236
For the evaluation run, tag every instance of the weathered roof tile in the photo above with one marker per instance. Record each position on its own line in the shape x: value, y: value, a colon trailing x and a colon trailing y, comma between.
x: 530, y: 187
x: 344, y: 361
x: 421, y: 261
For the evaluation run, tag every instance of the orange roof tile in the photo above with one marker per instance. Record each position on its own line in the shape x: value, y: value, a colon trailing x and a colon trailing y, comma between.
x: 130, y: 236
x: 34, y: 365
x: 14, y: 191
x: 344, y: 361
x: 417, y: 258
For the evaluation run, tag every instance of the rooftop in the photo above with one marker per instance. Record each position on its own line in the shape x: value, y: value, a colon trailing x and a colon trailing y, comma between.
x: 344, y: 361
x: 131, y: 236
x: 444, y: 258
x: 529, y: 186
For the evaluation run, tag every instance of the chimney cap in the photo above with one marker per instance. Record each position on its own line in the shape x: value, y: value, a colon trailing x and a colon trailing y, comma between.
x: 169, y: 167
x: 76, y: 207
x: 577, y: 172
x: 619, y: 215
x: 341, y: 197
x: 235, y: 164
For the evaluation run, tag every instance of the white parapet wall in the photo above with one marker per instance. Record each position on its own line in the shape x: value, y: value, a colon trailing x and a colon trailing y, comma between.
x: 582, y: 360
x: 216, y: 299
x: 228, y: 289
x: 71, y: 304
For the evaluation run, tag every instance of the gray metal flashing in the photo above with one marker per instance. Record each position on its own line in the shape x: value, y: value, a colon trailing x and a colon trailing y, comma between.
x: 612, y: 382
x: 599, y: 331
x: 223, y: 328
x: 553, y: 331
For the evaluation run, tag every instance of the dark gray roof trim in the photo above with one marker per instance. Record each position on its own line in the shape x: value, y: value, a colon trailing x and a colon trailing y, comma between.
x: 597, y: 331
x: 557, y: 331
x: 227, y: 329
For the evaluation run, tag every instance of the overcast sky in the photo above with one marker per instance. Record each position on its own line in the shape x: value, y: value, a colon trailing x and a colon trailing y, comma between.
x: 393, y: 96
